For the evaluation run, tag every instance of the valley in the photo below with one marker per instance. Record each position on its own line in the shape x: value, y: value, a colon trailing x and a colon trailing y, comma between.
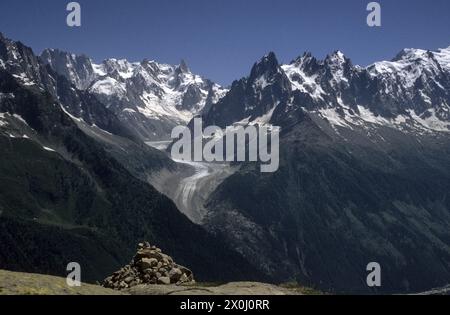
x: 363, y: 172
x: 191, y: 184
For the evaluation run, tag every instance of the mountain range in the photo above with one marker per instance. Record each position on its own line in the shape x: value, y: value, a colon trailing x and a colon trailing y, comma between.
x: 364, y: 171
x: 148, y: 97
x: 364, y: 168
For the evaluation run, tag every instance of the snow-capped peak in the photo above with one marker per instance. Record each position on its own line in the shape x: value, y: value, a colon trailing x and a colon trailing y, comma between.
x: 409, y: 66
x: 411, y: 54
x: 336, y: 58
x: 121, y: 67
x: 77, y: 68
x: 410, y: 58
x: 183, y: 66
x: 413, y: 88
x: 264, y: 70
x: 140, y: 92
x: 443, y: 57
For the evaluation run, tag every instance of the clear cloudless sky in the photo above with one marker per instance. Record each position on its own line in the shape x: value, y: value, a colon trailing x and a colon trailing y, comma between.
x: 221, y: 39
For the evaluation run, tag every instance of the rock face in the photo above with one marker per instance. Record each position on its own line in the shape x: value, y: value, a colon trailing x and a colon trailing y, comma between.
x: 149, y: 266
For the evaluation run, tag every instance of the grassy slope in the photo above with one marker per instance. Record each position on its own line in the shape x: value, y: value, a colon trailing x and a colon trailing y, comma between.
x: 18, y: 283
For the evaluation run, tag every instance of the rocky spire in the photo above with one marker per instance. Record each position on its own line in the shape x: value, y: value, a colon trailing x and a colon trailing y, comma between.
x: 183, y: 66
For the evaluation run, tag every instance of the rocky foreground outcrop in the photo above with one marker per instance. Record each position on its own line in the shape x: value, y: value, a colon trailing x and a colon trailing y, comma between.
x: 150, y: 272
x: 149, y: 266
x: 19, y: 283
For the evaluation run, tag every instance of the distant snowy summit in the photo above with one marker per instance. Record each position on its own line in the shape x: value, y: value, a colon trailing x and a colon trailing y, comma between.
x: 410, y: 93
x: 150, y: 96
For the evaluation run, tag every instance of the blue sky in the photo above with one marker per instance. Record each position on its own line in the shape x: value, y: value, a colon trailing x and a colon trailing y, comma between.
x: 222, y: 39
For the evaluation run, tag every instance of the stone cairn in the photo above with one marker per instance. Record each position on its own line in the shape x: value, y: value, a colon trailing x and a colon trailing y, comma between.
x: 149, y: 266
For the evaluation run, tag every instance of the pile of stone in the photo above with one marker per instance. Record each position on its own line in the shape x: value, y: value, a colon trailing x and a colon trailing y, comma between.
x: 149, y: 266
